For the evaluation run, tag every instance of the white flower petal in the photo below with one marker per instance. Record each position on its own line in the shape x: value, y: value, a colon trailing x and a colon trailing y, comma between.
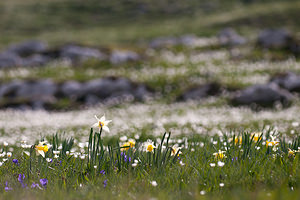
x: 105, y: 128
x: 42, y: 153
x: 107, y: 122
x: 102, y: 119
x: 95, y: 125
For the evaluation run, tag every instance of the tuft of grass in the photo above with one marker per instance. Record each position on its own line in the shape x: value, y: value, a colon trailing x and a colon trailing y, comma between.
x: 216, y: 167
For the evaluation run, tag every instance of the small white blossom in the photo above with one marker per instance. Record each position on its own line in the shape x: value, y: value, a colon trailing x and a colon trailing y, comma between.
x: 154, y: 183
x: 9, y: 154
x: 56, y: 152
x: 134, y: 164
x: 221, y: 164
x: 212, y: 164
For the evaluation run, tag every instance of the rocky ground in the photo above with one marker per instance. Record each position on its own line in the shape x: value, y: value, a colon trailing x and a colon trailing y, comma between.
x: 184, y: 84
x: 228, y: 47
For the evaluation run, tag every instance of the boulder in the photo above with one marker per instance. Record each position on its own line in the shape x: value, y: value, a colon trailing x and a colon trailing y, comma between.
x: 188, y: 40
x: 28, y: 93
x: 8, y: 90
x: 78, y: 54
x: 8, y: 59
x: 201, y: 92
x: 262, y: 95
x: 288, y: 81
x: 39, y: 94
x: 72, y: 90
x: 114, y: 87
x: 295, y: 47
x: 163, y: 42
x: 27, y: 48
x: 36, y: 60
x: 37, y: 90
x: 274, y: 39
x: 229, y: 37
x: 107, y: 87
x: 123, y: 56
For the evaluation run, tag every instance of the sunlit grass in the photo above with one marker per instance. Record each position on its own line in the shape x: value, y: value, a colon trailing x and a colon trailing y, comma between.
x: 186, y: 167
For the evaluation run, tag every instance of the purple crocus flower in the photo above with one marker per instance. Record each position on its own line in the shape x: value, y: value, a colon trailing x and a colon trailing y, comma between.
x: 105, y: 183
x: 35, y: 185
x: 6, y: 187
x: 21, y: 178
x: 125, y: 157
x: 44, y: 182
x: 102, y: 172
x: 236, y: 158
x: 16, y: 161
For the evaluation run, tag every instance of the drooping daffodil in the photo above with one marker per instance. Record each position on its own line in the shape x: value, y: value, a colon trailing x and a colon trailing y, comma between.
x: 175, y: 149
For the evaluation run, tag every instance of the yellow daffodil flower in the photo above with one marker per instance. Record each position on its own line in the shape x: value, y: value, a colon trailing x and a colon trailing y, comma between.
x: 174, y: 150
x: 129, y: 144
x: 256, y: 136
x: 220, y: 154
x: 149, y: 146
x: 272, y: 143
x: 291, y: 152
x: 41, y: 148
x: 238, y: 140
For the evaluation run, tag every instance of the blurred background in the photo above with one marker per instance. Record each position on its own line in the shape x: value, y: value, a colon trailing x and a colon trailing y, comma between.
x: 98, y: 22
x: 213, y: 62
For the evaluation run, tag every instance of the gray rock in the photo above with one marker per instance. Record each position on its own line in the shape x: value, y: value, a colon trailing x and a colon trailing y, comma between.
x: 262, y: 95
x: 28, y: 93
x: 295, y: 47
x: 28, y: 48
x: 274, y: 38
x: 108, y: 87
x: 91, y: 99
x: 123, y: 56
x: 41, y: 89
x: 188, y: 40
x: 72, y: 90
x: 163, y: 42
x: 36, y: 60
x: 38, y: 93
x: 141, y: 92
x: 201, y: 92
x: 229, y: 37
x: 78, y: 54
x: 115, y: 87
x: 288, y: 81
x: 8, y: 59
x: 8, y: 90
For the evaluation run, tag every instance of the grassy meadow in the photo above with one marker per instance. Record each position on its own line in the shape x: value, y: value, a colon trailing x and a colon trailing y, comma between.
x: 160, y: 148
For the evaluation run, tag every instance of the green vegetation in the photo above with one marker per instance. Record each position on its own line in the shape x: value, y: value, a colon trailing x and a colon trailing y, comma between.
x: 236, y: 165
x: 123, y: 22
x: 75, y: 162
